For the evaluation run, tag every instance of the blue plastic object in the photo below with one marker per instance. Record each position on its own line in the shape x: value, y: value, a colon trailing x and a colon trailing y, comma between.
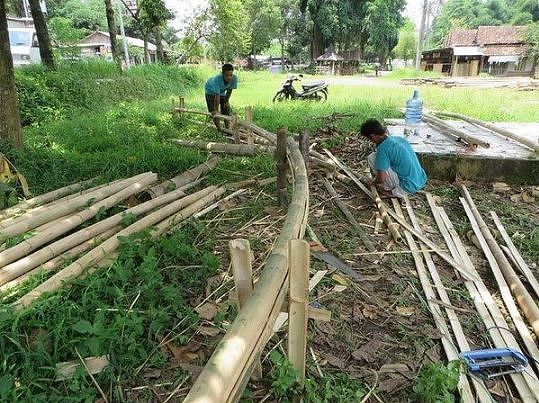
x: 490, y: 363
x: 413, y: 114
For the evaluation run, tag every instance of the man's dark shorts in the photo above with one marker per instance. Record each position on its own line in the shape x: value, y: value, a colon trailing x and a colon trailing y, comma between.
x: 210, y: 102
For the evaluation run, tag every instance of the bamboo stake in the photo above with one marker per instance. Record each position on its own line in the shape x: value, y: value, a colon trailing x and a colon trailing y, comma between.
x: 75, y: 269
x: 182, y: 179
x: 339, y: 203
x: 391, y: 226
x: 529, y: 143
x: 480, y: 388
x: 298, y: 258
x: 282, y: 167
x: 433, y: 120
x: 447, y: 341
x: 69, y: 223
x: 524, y: 300
x: 28, y: 222
x: 520, y: 263
x: 235, y: 130
x: 17, y: 268
x: 242, y: 271
x: 304, y: 144
x: 234, y: 149
x: 249, y: 119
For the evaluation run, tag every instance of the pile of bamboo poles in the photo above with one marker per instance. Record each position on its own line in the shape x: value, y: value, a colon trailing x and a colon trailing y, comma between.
x: 55, y: 225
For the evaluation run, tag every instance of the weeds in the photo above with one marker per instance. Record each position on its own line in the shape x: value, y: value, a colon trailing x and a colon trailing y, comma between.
x: 437, y: 383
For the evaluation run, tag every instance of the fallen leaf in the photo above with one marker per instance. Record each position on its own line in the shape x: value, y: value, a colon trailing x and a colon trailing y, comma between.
x: 227, y: 205
x: 373, y: 278
x: 339, y: 288
x: 209, y: 331
x: 432, y: 333
x: 356, y: 314
x: 526, y: 198
x: 317, y: 247
x: 152, y: 374
x: 340, y: 279
x: 183, y: 353
x: 406, y: 310
x: 368, y: 351
x: 207, y: 311
x: 194, y: 370
x: 325, y: 327
x: 500, y: 187
x: 335, y: 361
x: 370, y: 311
x: 394, y: 368
x: 392, y: 385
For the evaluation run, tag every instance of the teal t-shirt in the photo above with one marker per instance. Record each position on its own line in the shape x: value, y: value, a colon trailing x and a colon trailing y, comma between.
x: 216, y: 85
x: 396, y: 153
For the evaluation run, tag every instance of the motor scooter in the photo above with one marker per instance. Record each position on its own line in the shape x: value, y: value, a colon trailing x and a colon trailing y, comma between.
x: 314, y: 91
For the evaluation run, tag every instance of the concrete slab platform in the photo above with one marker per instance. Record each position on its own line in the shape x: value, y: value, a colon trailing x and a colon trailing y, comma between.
x: 447, y: 159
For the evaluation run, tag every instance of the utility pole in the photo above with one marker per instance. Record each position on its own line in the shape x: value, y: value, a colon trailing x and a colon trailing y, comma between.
x: 122, y: 32
x: 422, y: 27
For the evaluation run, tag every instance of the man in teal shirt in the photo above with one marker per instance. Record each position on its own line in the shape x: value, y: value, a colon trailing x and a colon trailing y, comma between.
x: 395, y: 164
x: 218, y: 91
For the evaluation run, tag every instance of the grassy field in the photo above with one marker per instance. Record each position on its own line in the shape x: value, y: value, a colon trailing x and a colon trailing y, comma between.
x: 122, y: 129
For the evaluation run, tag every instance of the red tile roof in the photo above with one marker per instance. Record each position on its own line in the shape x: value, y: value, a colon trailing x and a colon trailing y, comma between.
x: 460, y: 37
x: 484, y: 35
x: 504, y: 50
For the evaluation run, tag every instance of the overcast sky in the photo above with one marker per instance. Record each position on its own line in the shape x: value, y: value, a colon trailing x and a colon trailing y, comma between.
x: 183, y: 8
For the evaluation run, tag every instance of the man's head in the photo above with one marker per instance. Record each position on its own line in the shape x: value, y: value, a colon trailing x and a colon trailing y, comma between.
x: 373, y: 130
x: 228, y: 71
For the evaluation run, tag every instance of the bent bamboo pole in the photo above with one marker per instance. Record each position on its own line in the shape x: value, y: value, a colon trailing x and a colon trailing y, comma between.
x: 32, y: 220
x: 21, y: 266
x: 525, y: 301
x: 76, y: 268
x: 498, y: 130
x: 184, y: 178
x: 73, y: 221
x: 520, y: 263
x: 229, y: 366
x: 472, y: 140
x: 44, y: 198
x: 235, y: 149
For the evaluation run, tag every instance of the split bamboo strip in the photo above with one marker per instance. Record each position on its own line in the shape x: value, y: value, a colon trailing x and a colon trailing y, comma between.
x: 69, y: 223
x: 215, y: 205
x: 184, y: 178
x: 480, y: 388
x: 447, y: 340
x: 340, y: 204
x: 461, y: 268
x: 282, y: 168
x: 530, y: 143
x: 234, y: 149
x: 454, y: 131
x: 32, y: 220
x: 391, y: 226
x: 298, y: 262
x: 21, y: 266
x: 484, y: 303
x: 75, y: 269
x: 249, y: 119
x: 44, y: 198
x: 525, y: 301
x: 516, y: 254
x: 505, y: 292
x: 228, y: 368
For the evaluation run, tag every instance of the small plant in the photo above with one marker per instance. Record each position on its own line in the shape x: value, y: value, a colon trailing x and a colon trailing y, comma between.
x: 437, y: 383
x: 284, y: 376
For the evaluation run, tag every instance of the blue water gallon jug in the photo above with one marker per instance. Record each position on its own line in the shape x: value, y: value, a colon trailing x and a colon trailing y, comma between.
x: 413, y: 115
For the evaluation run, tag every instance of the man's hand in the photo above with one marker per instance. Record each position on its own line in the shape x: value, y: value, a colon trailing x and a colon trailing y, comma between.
x: 213, y: 113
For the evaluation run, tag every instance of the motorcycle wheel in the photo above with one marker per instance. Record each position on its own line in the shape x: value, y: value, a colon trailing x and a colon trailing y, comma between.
x: 280, y: 96
x: 320, y: 96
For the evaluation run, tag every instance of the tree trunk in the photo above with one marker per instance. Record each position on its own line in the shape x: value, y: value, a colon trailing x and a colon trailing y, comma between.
x: 45, y: 48
x: 113, y: 34
x: 146, y: 52
x: 158, y: 38
x: 10, y: 122
x: 317, y: 44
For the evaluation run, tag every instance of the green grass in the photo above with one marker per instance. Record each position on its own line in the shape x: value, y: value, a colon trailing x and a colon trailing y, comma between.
x: 410, y: 72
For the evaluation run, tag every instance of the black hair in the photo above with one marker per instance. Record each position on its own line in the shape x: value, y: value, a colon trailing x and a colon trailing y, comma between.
x: 227, y: 67
x: 372, y: 126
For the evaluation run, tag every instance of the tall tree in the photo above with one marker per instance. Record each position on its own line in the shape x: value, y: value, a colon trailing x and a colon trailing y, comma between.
x: 230, y: 25
x: 531, y: 37
x: 406, y: 47
x: 113, y: 33
x: 10, y: 121
x: 264, y: 23
x: 45, y: 48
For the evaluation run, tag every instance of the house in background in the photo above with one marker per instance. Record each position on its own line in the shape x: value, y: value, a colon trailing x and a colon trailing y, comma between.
x: 15, y: 22
x: 97, y: 44
x: 498, y: 51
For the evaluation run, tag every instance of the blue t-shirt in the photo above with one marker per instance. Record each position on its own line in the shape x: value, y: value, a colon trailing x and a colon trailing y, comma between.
x: 396, y: 153
x: 216, y: 85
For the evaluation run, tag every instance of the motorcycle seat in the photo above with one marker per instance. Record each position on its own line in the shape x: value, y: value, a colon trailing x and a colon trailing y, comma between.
x: 313, y: 84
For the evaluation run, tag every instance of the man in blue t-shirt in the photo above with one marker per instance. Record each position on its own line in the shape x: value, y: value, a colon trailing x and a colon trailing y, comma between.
x: 218, y: 91
x: 395, y: 165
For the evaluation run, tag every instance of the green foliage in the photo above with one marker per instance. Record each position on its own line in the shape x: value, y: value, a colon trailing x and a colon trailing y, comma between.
x: 437, y: 383
x: 284, y: 377
x: 88, y: 15
x: 531, y: 37
x: 264, y: 23
x: 230, y: 29
x: 406, y: 47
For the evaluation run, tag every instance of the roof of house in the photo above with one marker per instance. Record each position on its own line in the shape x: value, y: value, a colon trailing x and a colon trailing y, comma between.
x: 460, y: 37
x: 484, y: 35
x: 504, y: 50
x: 139, y: 43
x: 330, y: 56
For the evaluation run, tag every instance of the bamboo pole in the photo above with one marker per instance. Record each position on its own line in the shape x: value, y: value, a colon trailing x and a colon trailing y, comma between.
x: 520, y: 263
x: 304, y: 144
x: 236, y: 130
x: 282, y: 168
x: 19, y: 267
x: 529, y: 143
x: 472, y: 140
x: 69, y: 223
x: 75, y: 269
x: 249, y: 119
x: 447, y: 341
x: 182, y: 179
x: 298, y: 261
x: 28, y: 222
x: 339, y: 203
x: 234, y: 149
x: 391, y: 226
x: 228, y: 368
x: 242, y: 271
x: 524, y: 300
x: 44, y: 198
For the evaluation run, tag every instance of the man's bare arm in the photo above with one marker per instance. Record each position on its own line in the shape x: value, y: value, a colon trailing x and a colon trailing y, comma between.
x: 228, y: 95
x: 216, y: 102
x: 381, y: 177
